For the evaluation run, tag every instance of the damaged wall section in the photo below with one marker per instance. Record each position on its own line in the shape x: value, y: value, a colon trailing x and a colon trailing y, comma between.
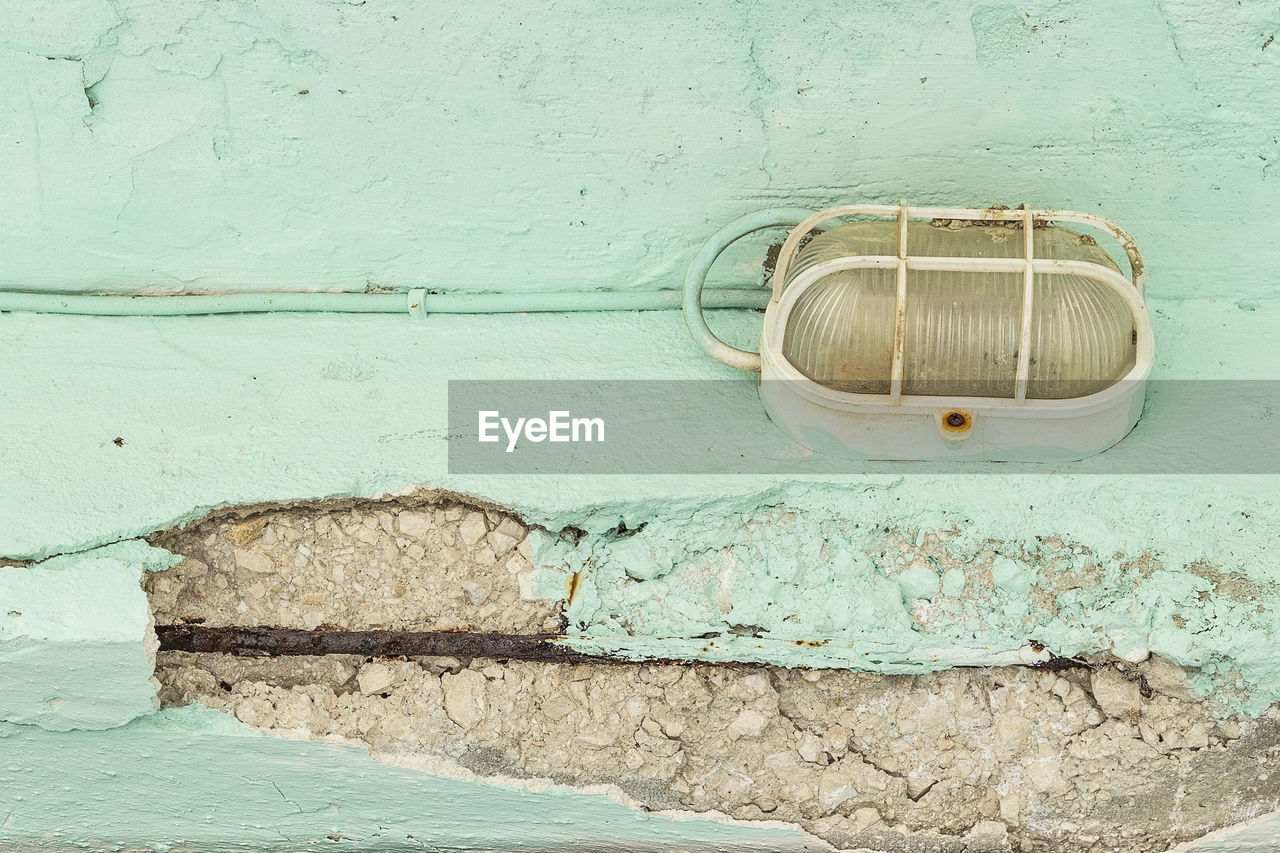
x: 1101, y: 754
x: 966, y: 759
x: 727, y: 583
x: 76, y: 646
x: 443, y: 566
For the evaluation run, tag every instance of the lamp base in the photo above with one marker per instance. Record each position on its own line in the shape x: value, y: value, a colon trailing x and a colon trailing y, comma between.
x: 855, y: 426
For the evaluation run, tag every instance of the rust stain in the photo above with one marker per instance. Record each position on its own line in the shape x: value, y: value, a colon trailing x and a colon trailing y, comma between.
x: 992, y: 216
x: 1056, y: 664
x: 274, y: 641
x: 770, y: 264
x: 282, y: 642
x: 571, y: 587
x: 957, y: 421
x: 1135, y: 257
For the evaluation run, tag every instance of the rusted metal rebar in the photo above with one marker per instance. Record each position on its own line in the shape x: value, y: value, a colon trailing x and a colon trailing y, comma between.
x: 232, y: 640
x: 538, y: 648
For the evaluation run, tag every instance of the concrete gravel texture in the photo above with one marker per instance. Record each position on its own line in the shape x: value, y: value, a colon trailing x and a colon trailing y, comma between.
x: 439, y: 566
x: 1107, y: 755
x: 968, y: 759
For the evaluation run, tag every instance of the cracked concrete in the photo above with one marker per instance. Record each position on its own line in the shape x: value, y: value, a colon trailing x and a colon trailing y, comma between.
x: 1107, y: 755
x: 443, y: 566
x: 1004, y: 758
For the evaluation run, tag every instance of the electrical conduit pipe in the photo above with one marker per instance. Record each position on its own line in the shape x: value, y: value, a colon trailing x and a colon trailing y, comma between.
x: 697, y: 275
x: 419, y: 302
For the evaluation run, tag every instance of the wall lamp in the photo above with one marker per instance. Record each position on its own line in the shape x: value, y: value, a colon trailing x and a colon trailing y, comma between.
x: 900, y: 332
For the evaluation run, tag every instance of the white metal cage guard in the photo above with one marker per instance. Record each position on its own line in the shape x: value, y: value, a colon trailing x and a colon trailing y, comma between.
x: 897, y: 425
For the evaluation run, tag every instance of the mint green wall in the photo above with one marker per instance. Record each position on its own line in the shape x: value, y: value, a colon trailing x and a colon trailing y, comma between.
x: 75, y: 648
x: 531, y: 147
x: 194, y: 779
x: 516, y: 146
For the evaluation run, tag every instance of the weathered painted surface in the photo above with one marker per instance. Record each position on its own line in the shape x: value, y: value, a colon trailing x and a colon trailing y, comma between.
x: 513, y: 148
x: 1256, y: 836
x: 738, y: 583
x: 76, y: 646
x: 196, y: 779
x: 518, y: 147
x: 308, y: 407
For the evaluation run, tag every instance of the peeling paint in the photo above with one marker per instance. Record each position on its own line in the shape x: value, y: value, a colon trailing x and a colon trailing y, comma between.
x: 76, y: 644
x: 882, y: 607
x: 172, y: 148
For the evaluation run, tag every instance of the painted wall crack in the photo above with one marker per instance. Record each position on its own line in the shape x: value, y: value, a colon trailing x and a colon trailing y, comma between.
x: 971, y: 755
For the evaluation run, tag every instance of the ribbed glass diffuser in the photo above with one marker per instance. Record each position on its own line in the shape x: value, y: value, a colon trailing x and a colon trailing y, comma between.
x: 962, y: 328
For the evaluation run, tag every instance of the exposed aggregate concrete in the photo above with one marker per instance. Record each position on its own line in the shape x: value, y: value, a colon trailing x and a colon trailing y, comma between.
x: 1116, y: 755
x: 439, y: 566
x: 1013, y: 756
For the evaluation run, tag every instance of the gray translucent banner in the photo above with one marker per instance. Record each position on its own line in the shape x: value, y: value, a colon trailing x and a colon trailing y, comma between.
x: 725, y: 427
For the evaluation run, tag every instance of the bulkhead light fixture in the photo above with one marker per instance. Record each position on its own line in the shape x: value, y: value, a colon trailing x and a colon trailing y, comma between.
x: 898, y: 332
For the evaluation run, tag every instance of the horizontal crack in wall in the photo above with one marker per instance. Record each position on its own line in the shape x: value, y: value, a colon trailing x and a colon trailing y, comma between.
x: 407, y: 626
x: 547, y: 648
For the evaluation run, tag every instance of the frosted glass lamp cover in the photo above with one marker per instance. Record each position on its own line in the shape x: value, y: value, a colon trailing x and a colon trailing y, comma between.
x: 954, y: 333
x: 962, y: 329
